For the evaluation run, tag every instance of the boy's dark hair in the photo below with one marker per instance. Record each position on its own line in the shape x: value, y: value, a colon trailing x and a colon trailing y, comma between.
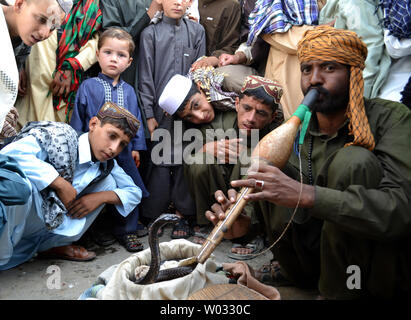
x: 121, y: 124
x: 193, y: 90
x: 261, y: 96
x: 119, y: 34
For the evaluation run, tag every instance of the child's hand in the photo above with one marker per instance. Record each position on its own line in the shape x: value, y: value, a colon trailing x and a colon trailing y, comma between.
x: 65, y: 191
x: 90, y: 202
x: 205, y: 62
x: 225, y: 150
x: 136, y: 157
x: 152, y: 125
x: 85, y: 205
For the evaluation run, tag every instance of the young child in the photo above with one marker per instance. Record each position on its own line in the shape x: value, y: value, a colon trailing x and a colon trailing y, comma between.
x: 71, y: 177
x: 114, y: 52
x: 167, y: 48
x: 28, y: 22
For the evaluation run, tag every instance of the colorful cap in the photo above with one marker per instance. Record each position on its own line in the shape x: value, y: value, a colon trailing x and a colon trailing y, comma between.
x: 111, y: 110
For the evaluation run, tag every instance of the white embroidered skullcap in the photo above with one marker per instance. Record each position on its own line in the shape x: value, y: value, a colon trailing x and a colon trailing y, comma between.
x: 65, y: 5
x: 174, y: 93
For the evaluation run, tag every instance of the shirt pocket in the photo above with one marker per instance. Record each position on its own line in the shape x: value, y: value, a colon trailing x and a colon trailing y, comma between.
x: 189, y: 55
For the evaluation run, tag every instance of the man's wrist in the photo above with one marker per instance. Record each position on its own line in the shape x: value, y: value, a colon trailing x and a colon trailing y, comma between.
x: 308, y: 197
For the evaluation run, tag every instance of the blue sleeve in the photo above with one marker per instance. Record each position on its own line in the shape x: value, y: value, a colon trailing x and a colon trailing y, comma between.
x: 139, y: 142
x: 128, y: 193
x: 13, y: 187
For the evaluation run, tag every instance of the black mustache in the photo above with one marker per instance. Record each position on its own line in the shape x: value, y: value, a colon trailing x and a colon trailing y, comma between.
x: 320, y: 89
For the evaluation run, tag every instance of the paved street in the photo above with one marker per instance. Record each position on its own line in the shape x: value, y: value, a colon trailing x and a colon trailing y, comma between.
x: 29, y: 281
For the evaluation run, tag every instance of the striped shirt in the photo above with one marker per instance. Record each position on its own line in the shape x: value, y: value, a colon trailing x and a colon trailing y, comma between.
x: 270, y: 16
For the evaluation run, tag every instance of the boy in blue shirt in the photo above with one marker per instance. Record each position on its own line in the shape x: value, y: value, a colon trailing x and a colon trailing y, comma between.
x: 114, y: 52
x: 69, y: 178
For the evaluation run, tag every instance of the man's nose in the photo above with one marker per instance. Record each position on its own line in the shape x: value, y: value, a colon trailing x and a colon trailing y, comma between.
x: 316, y: 77
x: 251, y: 117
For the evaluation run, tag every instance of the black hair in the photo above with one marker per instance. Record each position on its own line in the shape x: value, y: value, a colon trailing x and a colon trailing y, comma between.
x: 193, y: 90
x: 262, y: 96
x: 120, y: 123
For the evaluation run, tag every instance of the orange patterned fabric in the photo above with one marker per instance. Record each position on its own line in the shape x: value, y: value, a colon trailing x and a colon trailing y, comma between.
x: 343, y: 46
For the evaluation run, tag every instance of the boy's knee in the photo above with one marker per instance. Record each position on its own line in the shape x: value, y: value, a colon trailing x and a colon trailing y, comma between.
x: 354, y: 165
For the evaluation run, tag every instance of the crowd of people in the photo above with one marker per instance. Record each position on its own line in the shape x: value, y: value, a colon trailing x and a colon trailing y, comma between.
x: 113, y: 112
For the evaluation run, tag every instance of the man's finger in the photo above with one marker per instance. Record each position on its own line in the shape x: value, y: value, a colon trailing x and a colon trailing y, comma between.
x: 220, y: 197
x: 210, y: 216
x: 218, y: 211
x: 232, y: 195
x: 250, y: 183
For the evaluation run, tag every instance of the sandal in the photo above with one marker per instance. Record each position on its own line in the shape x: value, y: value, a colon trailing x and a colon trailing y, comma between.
x: 103, y: 239
x: 256, y: 245
x: 201, y: 233
x: 181, y: 225
x: 271, y: 274
x: 131, y: 243
x: 141, y: 230
x: 69, y: 252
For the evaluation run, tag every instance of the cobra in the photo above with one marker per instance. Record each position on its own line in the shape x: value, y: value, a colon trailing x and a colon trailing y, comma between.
x: 154, y: 274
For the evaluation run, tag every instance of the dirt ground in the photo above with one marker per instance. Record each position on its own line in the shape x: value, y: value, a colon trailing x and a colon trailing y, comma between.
x: 31, y: 280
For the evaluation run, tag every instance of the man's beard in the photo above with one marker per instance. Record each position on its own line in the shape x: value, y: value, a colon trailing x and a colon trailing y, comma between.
x: 331, y: 103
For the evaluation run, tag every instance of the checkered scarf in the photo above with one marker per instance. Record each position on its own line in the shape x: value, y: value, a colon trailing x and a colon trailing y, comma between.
x: 327, y: 43
x: 60, y: 142
x: 397, y: 17
x: 210, y: 81
x: 80, y: 24
x: 271, y: 16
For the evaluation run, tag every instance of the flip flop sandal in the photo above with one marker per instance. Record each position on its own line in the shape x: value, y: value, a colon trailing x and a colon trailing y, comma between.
x: 256, y: 246
x: 271, y: 274
x: 181, y: 225
x: 77, y: 253
x: 131, y: 243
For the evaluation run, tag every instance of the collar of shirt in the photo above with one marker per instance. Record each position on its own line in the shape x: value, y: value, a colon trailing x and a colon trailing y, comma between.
x: 171, y: 21
x: 84, y: 149
x: 314, y: 131
x: 110, y: 80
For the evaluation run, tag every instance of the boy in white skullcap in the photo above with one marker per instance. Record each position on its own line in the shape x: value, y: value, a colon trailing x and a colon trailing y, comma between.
x: 166, y: 48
